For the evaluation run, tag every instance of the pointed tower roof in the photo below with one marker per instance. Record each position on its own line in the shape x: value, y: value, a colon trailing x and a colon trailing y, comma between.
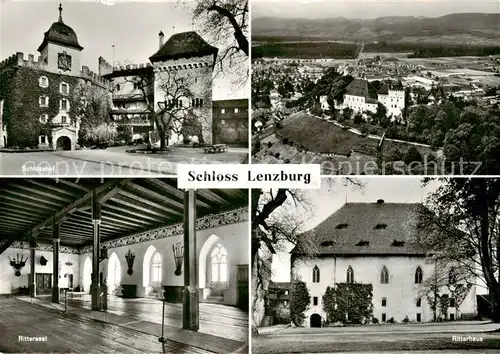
x: 60, y: 33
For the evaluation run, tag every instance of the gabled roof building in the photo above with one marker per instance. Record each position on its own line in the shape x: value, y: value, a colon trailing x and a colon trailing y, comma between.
x: 372, y: 243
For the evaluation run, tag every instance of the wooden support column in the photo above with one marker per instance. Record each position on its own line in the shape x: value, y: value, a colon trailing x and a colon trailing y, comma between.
x: 190, y: 306
x: 95, y: 288
x: 32, y: 280
x: 55, y: 260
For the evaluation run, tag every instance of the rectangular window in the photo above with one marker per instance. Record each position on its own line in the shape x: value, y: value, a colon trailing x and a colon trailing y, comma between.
x: 286, y: 292
x: 223, y: 111
x: 64, y: 104
x: 419, y: 317
x: 236, y: 110
x: 44, y: 101
x: 64, y: 119
x: 285, y: 302
x: 64, y: 88
x: 384, y: 301
x: 201, y: 102
x: 44, y: 118
x: 384, y: 317
x: 452, y: 317
x: 222, y: 121
x: 452, y: 302
x: 315, y: 301
x: 193, y: 102
x: 419, y: 302
x: 42, y: 139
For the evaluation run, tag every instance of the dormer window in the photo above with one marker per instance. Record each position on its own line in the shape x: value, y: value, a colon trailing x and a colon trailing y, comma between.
x: 43, y: 81
x: 363, y: 243
x: 64, y: 88
x: 342, y: 226
x: 380, y: 226
x: 397, y: 243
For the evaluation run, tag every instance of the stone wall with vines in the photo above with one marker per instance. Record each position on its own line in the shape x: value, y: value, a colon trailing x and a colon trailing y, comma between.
x: 19, y: 87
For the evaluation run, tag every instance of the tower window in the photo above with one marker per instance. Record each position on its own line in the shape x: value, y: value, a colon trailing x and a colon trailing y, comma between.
x: 315, y: 301
x: 43, y: 101
x: 384, y: 301
x: 64, y: 88
x: 419, y: 302
x: 43, y: 81
x: 64, y: 104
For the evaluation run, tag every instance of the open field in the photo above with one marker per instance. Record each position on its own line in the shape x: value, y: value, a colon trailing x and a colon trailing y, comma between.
x: 306, y: 50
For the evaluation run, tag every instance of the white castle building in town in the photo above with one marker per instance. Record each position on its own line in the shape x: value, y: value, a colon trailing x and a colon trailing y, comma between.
x: 372, y: 243
x: 361, y: 99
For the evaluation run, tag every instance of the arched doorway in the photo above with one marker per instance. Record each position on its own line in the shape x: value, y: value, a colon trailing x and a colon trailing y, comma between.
x: 114, y: 274
x: 315, y: 320
x: 63, y: 143
x: 87, y: 274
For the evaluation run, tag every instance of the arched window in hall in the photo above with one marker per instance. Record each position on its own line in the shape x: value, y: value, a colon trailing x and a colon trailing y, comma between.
x: 350, y: 275
x: 384, y: 276
x: 418, y: 275
x: 315, y: 274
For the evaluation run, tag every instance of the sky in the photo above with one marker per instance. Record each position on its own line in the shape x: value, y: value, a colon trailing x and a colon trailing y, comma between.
x: 132, y: 27
x: 368, y: 8
x: 335, y: 192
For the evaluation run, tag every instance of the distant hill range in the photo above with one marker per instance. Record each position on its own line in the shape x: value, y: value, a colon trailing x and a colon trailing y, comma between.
x: 470, y: 28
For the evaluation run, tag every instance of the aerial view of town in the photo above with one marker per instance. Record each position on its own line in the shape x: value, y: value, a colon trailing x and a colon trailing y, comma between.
x: 390, y: 93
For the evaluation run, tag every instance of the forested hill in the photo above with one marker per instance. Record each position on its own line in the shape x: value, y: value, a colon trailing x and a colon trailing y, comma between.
x: 466, y: 28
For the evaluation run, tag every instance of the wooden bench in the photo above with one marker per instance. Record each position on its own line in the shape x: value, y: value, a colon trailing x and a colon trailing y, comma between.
x: 213, y: 149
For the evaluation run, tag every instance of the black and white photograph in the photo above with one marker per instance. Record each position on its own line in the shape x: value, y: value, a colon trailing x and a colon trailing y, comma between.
x: 122, y: 266
x: 389, y: 264
x: 122, y: 88
x: 401, y: 87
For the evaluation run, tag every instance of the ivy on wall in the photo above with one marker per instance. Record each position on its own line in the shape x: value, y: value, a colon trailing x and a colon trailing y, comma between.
x: 19, y: 87
x: 348, y: 303
x: 299, y: 302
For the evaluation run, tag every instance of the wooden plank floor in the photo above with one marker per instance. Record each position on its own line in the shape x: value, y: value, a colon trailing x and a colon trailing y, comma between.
x: 217, y: 320
x: 72, y: 333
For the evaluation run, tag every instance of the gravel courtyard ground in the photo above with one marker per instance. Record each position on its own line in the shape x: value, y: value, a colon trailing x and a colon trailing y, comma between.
x: 388, y: 338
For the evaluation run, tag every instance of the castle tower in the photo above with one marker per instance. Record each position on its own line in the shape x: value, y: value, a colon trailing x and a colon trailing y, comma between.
x: 60, y: 49
x: 185, y: 62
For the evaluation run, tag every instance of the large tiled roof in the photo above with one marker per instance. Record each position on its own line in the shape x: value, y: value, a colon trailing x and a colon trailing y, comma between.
x: 358, y: 87
x: 368, y: 229
x: 182, y: 45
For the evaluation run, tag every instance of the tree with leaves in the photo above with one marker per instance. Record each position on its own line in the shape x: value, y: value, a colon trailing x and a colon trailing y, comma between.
x: 300, y: 299
x: 460, y: 226
x: 91, y: 105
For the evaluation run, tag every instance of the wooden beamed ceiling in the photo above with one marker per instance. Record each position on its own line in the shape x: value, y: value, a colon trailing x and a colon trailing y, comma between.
x: 128, y: 206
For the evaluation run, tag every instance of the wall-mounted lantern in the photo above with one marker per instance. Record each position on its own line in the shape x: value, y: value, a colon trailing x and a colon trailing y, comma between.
x: 130, y: 262
x: 178, y: 250
x: 103, y: 255
x: 18, y: 263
